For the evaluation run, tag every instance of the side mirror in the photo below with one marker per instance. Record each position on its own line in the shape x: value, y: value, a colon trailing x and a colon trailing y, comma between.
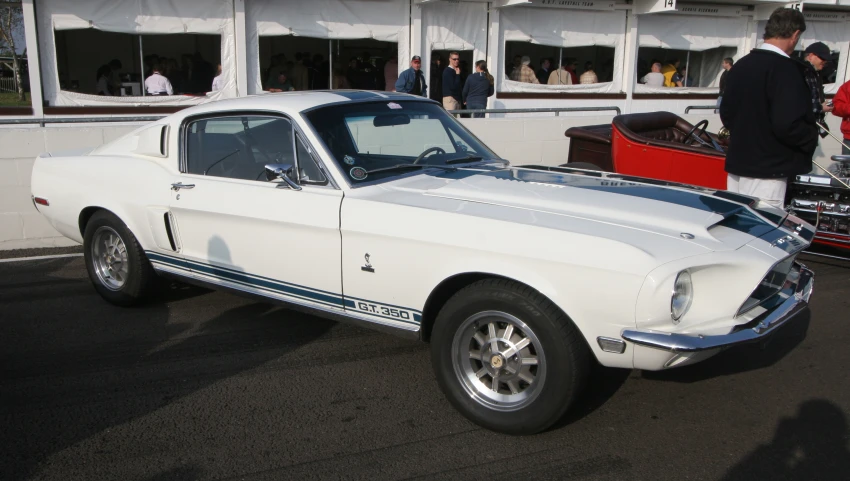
x: 283, y: 172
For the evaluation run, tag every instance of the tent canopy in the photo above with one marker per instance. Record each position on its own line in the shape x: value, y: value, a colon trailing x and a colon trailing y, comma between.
x: 691, y: 32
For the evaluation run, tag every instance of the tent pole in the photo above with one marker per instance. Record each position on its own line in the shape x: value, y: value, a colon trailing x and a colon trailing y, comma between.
x: 142, y: 63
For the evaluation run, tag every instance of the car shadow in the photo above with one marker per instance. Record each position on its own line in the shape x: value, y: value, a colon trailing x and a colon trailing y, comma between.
x: 73, y: 367
x: 739, y: 359
x: 811, y: 445
x: 602, y: 384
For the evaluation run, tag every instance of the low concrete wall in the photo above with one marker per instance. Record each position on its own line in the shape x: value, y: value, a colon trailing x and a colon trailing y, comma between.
x: 21, y: 226
x: 538, y: 140
x: 521, y: 140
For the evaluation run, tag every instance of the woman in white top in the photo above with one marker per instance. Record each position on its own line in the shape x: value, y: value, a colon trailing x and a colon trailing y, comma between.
x: 102, y: 87
x: 218, y: 82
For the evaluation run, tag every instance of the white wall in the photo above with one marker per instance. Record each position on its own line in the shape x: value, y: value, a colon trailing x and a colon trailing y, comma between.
x: 538, y: 140
x: 21, y: 226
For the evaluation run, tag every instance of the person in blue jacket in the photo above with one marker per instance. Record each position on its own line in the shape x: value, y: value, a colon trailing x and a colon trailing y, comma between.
x: 411, y: 81
x: 477, y: 88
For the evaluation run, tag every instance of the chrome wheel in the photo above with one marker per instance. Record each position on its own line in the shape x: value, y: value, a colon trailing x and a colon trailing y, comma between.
x: 499, y: 360
x: 109, y: 258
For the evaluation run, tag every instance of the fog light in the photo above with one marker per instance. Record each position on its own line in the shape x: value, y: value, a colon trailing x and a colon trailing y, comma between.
x: 683, y: 293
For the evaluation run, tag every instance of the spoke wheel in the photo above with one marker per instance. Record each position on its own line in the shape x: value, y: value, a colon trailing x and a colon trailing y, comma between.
x: 506, y: 357
x: 499, y: 360
x: 109, y: 255
x: 117, y: 266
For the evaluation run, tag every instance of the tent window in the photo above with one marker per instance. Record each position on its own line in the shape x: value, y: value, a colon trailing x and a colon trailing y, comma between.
x: 696, y: 69
x: 699, y: 43
x: 596, y: 61
x: 309, y: 63
x: 97, y: 62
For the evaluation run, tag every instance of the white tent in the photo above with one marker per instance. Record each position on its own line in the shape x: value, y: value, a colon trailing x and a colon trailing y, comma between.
x: 134, y: 17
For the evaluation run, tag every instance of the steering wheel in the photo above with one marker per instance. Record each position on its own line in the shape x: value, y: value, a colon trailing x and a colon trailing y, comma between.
x: 428, y: 151
x: 691, y: 137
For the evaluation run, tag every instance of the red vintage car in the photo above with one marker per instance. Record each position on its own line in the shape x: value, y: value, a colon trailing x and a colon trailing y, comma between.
x: 664, y: 146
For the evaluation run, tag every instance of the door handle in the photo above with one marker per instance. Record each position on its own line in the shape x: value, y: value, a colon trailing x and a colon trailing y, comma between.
x: 181, y: 185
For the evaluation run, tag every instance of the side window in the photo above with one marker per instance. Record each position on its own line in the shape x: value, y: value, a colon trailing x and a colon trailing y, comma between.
x: 238, y: 147
x: 310, y: 173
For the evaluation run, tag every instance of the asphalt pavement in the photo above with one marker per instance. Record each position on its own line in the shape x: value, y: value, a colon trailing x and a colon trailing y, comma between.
x: 206, y: 385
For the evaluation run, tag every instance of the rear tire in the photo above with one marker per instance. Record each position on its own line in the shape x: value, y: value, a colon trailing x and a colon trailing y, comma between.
x: 500, y: 331
x: 116, y: 264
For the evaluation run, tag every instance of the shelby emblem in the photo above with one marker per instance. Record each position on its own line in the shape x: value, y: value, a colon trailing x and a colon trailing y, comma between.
x: 368, y: 267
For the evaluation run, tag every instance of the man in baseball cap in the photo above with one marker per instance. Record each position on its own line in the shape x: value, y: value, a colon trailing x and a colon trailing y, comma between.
x: 411, y: 81
x: 816, y: 56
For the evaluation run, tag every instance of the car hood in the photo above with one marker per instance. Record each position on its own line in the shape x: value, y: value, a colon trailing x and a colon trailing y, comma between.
x: 698, y: 216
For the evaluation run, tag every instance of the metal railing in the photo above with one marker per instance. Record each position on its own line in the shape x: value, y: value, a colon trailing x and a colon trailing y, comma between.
x: 556, y: 111
x: 8, y: 84
x: 700, y: 107
x: 150, y: 118
x: 78, y: 120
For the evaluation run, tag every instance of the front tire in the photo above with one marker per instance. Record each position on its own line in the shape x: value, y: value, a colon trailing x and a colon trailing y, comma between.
x: 116, y: 264
x: 507, y: 358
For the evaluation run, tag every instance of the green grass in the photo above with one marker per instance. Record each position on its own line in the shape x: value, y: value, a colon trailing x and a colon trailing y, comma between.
x: 10, y: 99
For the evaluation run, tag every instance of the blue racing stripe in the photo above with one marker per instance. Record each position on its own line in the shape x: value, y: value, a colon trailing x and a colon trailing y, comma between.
x: 275, y: 286
x: 190, y: 264
x: 243, y: 278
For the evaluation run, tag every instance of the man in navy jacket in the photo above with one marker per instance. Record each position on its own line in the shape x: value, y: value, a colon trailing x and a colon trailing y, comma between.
x: 411, y: 81
x: 767, y: 108
x: 452, y: 83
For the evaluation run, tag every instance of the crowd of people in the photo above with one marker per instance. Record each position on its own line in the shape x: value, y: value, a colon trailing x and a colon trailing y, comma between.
x: 547, y: 73
x: 670, y: 74
x: 313, y: 72
x: 163, y: 76
x: 456, y: 90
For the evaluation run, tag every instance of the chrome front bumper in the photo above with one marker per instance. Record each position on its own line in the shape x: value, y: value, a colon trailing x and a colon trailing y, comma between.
x: 795, y: 302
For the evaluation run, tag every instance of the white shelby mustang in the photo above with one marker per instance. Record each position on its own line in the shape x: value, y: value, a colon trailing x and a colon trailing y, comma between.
x: 519, y: 277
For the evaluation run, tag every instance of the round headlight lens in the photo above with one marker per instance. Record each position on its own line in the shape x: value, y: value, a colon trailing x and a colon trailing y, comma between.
x: 683, y: 294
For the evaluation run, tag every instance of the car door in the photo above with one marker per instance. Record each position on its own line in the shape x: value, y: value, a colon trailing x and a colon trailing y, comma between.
x: 240, y: 230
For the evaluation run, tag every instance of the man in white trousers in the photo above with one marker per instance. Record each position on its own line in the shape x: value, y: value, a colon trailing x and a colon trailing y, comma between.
x: 767, y: 107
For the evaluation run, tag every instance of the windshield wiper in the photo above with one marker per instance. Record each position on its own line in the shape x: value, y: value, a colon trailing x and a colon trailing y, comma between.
x: 410, y: 166
x: 465, y: 160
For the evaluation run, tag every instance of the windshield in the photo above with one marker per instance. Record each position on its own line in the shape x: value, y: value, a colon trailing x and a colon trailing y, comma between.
x: 388, y: 137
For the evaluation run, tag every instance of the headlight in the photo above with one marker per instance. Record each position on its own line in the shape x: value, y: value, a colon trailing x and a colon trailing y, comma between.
x: 683, y: 294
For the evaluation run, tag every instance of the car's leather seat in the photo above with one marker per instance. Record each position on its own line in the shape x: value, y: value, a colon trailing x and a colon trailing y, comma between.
x: 662, y: 129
